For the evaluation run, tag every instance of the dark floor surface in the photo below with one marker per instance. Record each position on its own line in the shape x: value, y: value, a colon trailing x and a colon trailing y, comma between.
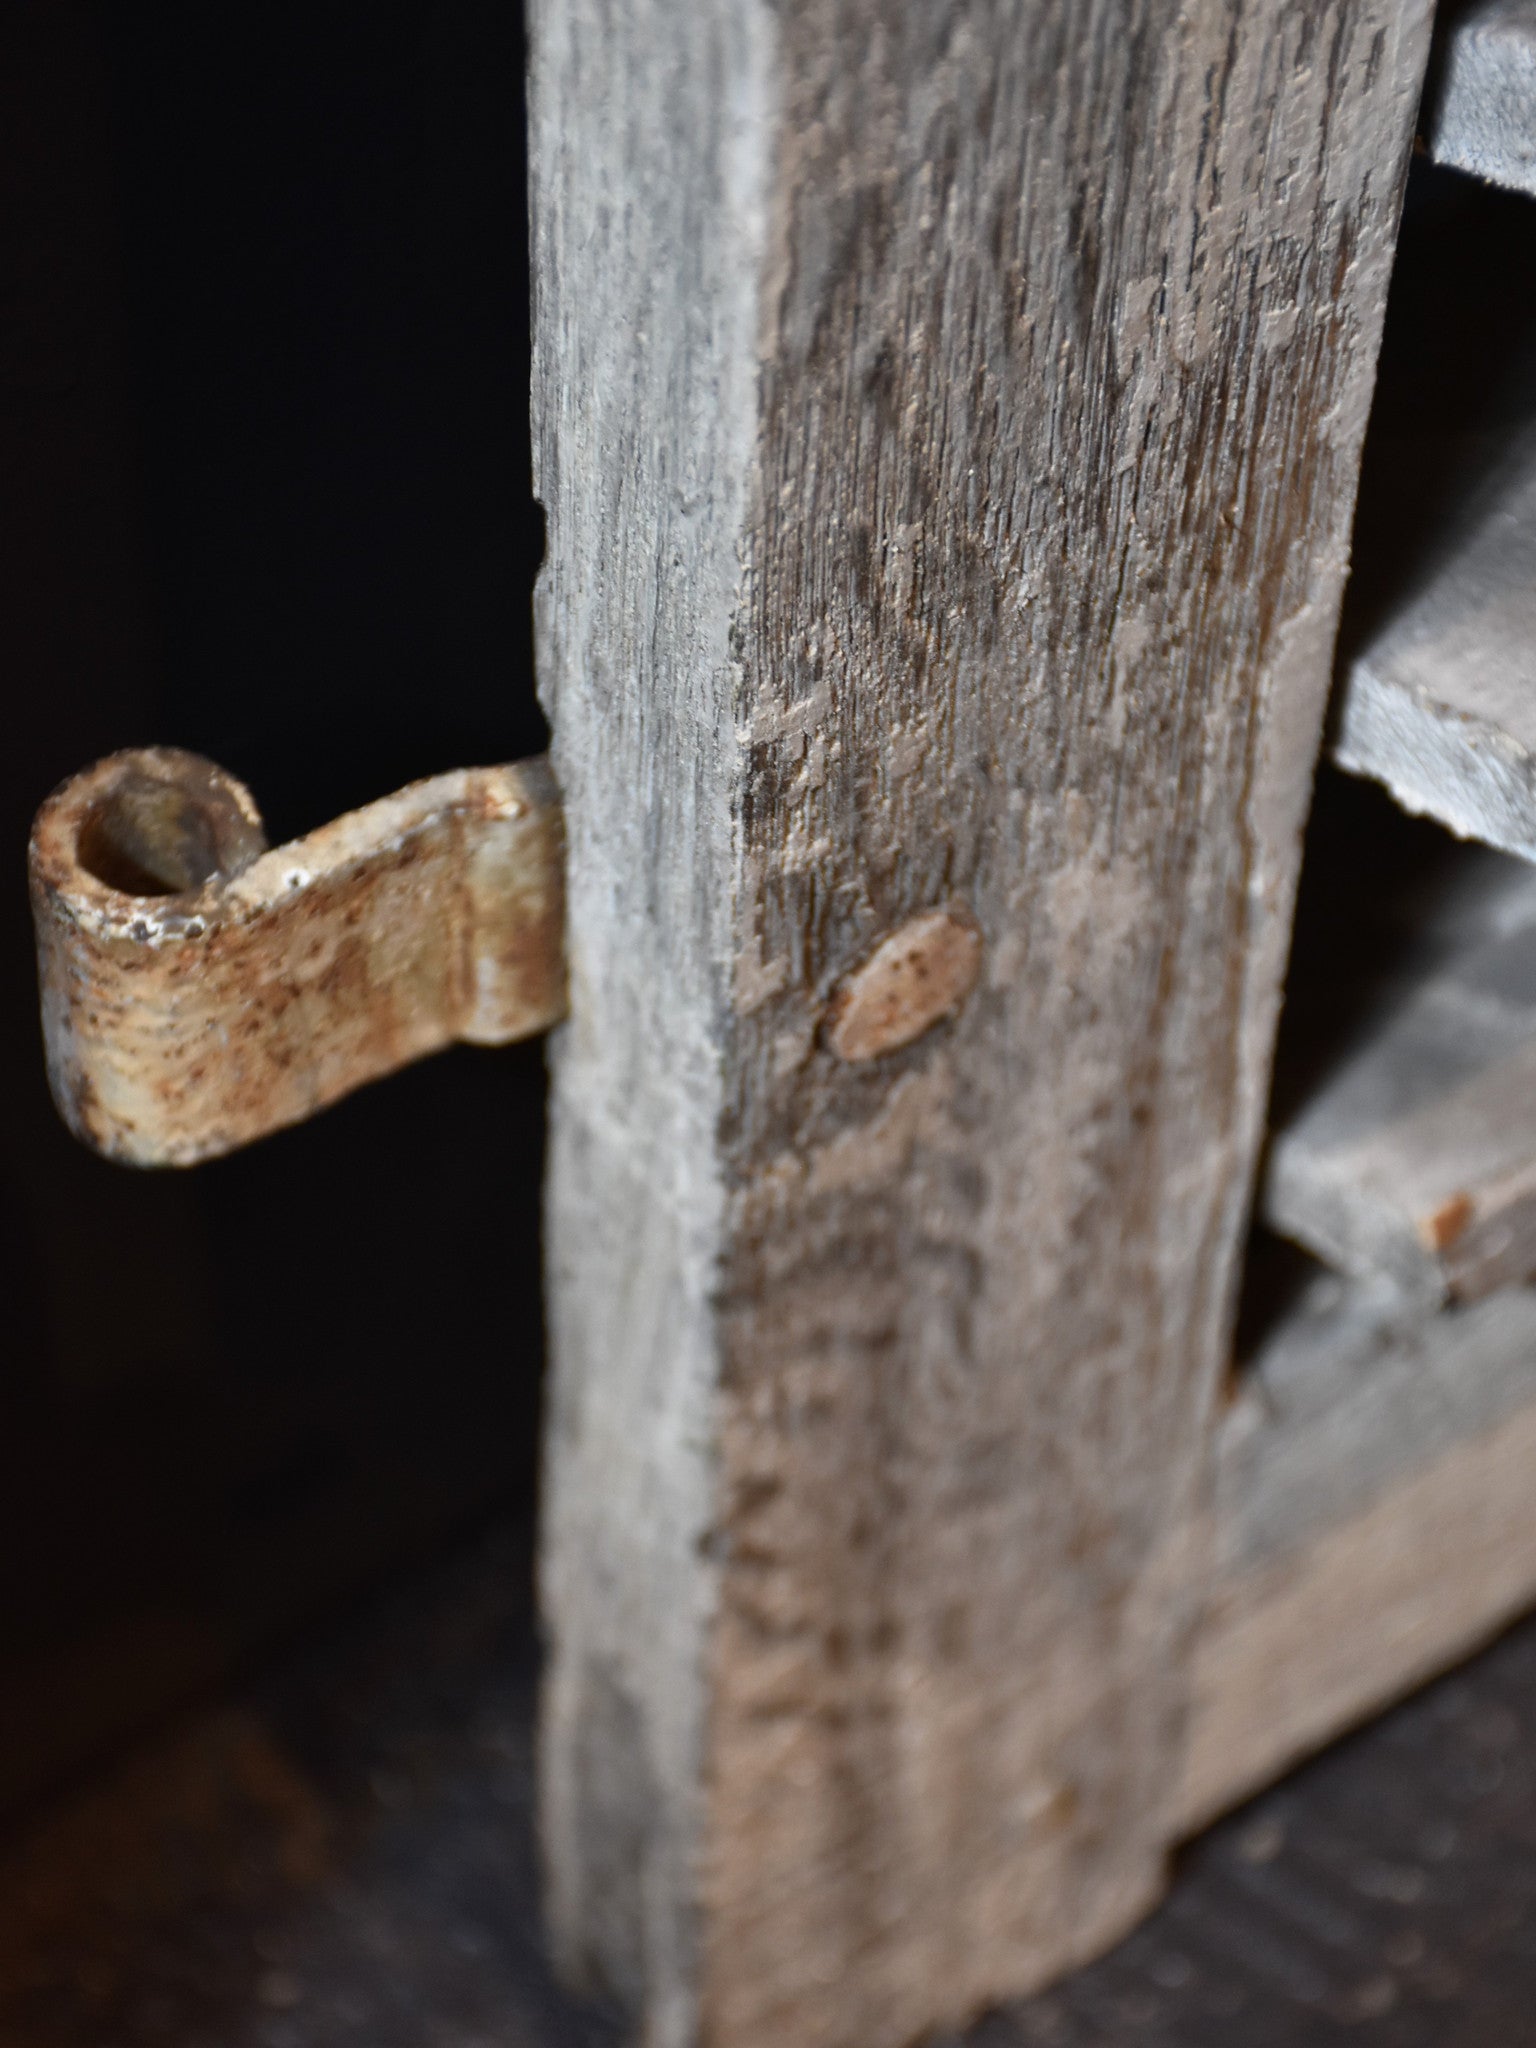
x: 344, y: 1855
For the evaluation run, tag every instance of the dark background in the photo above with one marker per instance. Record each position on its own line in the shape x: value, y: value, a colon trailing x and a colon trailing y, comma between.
x: 264, y: 493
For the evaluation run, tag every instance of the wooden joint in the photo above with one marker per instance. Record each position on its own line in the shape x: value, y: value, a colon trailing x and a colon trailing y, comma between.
x: 200, y: 990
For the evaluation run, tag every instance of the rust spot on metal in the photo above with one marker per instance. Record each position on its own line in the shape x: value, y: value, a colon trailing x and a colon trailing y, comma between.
x: 199, y: 990
x: 920, y: 973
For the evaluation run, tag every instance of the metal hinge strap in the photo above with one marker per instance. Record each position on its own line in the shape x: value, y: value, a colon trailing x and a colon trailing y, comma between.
x: 199, y: 990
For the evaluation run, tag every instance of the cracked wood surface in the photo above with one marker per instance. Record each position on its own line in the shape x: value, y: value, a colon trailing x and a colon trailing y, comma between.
x: 948, y: 420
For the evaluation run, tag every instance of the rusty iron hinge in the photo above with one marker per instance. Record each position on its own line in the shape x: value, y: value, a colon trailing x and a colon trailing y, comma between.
x: 200, y: 990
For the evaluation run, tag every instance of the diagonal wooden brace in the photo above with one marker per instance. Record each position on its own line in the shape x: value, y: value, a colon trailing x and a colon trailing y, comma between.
x: 199, y: 990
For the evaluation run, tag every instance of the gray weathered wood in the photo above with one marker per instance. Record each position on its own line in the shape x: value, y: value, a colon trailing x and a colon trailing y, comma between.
x: 1483, y: 116
x: 948, y: 420
x: 1370, y: 1522
x: 1412, y: 1155
x: 1440, y: 702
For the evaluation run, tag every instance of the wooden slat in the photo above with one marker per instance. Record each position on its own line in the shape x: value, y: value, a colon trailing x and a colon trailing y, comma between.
x: 949, y: 420
x: 1371, y: 1523
x: 1482, y: 118
x: 1439, y: 704
x: 1412, y: 1153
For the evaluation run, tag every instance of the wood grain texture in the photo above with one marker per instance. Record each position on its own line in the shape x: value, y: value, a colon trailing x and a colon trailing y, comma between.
x: 1482, y: 118
x: 1439, y: 704
x: 648, y: 155
x: 1370, y: 1523
x: 1411, y: 1154
x: 948, y: 422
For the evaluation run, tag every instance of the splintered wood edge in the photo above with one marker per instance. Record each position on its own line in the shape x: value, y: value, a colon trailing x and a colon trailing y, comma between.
x: 199, y: 990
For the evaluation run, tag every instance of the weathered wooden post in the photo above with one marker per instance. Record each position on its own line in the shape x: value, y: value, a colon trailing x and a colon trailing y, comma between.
x: 948, y: 419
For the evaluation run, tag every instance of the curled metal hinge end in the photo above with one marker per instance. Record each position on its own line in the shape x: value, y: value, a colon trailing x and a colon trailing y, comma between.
x: 200, y: 990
